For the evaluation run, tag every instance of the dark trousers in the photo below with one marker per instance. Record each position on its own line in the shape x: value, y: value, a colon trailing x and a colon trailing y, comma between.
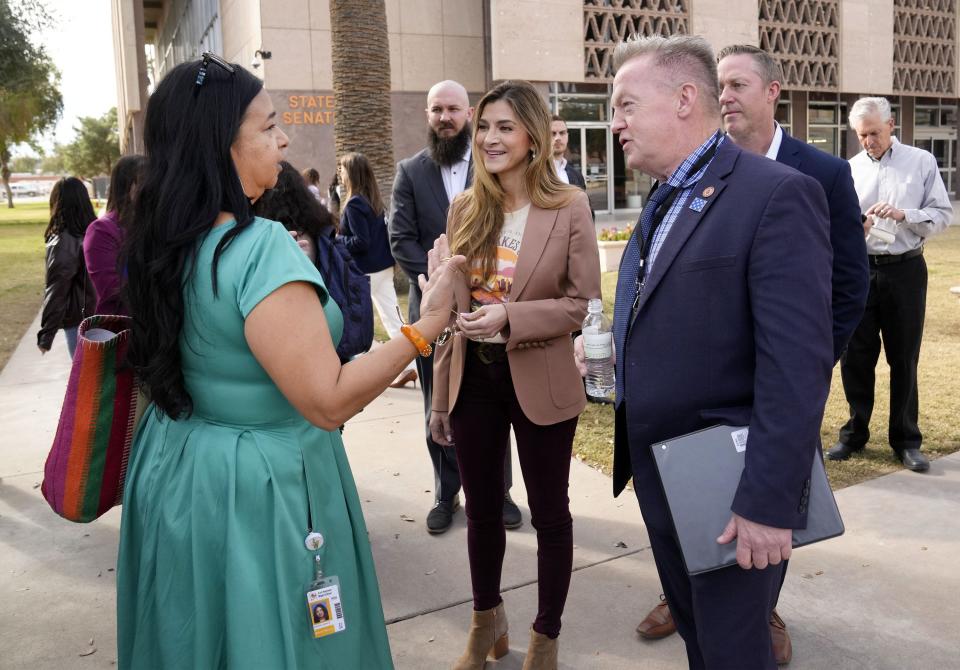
x: 446, y: 474
x: 486, y: 408
x: 895, y: 311
x: 723, y: 616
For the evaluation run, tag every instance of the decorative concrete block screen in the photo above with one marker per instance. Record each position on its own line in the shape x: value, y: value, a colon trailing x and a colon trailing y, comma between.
x: 804, y: 35
x: 606, y: 22
x: 924, y: 47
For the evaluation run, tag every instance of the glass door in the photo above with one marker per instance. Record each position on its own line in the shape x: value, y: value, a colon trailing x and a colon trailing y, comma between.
x: 595, y: 168
x: 942, y: 143
x: 630, y: 187
x: 588, y: 149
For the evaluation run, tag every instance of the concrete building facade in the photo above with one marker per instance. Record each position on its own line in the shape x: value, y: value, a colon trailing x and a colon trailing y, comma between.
x: 832, y: 52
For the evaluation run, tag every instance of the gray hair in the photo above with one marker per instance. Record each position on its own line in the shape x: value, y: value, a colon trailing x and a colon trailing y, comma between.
x: 680, y: 57
x: 865, y: 107
x: 767, y: 66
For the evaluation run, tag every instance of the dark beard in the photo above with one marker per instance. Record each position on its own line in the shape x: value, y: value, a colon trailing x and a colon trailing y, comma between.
x: 447, y: 151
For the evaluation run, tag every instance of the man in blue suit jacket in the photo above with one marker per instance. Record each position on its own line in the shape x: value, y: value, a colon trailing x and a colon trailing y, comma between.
x: 749, y: 89
x: 723, y: 315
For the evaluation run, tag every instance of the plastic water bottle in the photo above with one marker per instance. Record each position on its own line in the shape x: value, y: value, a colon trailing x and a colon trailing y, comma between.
x: 598, y: 352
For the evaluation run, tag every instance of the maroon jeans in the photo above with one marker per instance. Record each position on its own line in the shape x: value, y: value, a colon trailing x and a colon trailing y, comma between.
x: 486, y: 408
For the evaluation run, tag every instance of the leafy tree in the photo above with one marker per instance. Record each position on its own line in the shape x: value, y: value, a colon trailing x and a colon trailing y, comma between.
x: 96, y: 148
x: 30, y: 99
x: 361, y: 84
x: 54, y: 162
x: 25, y: 164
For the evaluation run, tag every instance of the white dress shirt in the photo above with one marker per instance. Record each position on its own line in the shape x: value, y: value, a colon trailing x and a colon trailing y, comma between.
x: 775, y: 144
x: 907, y: 178
x: 455, y: 176
x: 561, y: 166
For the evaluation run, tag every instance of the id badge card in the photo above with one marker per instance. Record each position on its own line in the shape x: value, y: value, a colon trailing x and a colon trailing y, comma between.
x: 324, y: 607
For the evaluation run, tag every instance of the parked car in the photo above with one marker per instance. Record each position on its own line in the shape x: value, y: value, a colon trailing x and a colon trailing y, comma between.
x: 25, y: 190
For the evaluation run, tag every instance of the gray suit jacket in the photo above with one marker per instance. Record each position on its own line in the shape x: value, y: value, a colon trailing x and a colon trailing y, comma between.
x: 418, y: 212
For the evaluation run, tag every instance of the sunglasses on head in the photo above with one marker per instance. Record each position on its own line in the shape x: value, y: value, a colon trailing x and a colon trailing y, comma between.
x: 207, y: 58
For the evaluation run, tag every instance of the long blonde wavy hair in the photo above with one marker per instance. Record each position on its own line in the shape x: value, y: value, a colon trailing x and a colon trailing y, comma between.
x: 478, y: 211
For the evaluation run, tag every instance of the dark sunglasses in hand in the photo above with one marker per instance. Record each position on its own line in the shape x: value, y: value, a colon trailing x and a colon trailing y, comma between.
x: 208, y: 58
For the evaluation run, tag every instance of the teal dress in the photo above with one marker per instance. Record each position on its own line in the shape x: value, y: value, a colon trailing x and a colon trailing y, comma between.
x: 213, y: 570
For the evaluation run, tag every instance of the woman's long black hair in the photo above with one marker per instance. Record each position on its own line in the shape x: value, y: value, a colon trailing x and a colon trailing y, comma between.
x: 291, y: 203
x: 124, y: 179
x: 189, y: 179
x: 70, y: 209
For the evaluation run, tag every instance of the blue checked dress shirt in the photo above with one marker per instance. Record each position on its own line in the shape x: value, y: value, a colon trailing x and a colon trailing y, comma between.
x: 630, y: 263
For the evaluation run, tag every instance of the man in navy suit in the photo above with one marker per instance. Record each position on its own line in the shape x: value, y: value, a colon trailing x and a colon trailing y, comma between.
x: 749, y: 89
x: 723, y: 315
x: 568, y: 172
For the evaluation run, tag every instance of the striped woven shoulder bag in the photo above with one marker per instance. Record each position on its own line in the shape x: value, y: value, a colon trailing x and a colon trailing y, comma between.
x: 85, y: 471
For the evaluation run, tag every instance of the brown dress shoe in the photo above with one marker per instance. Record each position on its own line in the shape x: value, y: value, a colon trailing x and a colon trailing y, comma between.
x: 658, y: 624
x: 782, y: 649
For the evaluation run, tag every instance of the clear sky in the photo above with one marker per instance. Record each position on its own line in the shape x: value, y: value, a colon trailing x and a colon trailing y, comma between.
x: 81, y: 46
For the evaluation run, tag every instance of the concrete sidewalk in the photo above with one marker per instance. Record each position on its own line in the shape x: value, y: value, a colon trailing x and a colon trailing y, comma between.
x: 884, y: 596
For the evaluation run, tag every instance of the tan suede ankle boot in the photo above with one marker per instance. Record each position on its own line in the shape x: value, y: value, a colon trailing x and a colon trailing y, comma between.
x: 488, y: 637
x: 542, y: 653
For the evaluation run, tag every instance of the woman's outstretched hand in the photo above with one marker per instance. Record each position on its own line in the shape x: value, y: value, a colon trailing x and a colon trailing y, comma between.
x: 438, y: 291
x: 440, y: 251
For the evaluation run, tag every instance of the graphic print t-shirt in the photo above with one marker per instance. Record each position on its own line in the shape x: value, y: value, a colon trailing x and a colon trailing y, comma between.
x: 495, y: 290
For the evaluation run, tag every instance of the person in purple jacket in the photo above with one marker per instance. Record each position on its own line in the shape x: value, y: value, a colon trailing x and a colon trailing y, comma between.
x: 364, y: 233
x: 101, y: 244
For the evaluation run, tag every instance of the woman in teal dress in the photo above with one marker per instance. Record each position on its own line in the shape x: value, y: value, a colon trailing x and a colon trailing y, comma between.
x: 239, y: 467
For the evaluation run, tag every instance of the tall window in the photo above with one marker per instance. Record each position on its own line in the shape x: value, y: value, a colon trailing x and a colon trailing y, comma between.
x: 784, y: 115
x: 191, y: 27
x: 825, y: 127
x: 581, y: 102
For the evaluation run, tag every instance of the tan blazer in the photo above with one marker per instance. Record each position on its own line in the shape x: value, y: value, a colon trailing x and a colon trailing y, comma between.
x: 558, y: 270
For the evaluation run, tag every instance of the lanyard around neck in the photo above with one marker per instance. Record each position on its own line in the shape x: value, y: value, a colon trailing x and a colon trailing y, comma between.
x: 661, y: 212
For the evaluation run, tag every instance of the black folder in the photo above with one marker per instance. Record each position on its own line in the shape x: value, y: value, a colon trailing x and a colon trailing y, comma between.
x: 700, y: 473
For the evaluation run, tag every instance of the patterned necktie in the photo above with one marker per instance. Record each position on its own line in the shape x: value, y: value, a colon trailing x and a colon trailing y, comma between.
x: 628, y: 277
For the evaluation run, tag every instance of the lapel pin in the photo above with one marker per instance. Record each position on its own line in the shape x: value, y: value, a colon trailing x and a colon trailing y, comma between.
x: 708, y: 191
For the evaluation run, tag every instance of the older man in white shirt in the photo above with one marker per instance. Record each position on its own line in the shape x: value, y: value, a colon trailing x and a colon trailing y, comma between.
x: 902, y: 194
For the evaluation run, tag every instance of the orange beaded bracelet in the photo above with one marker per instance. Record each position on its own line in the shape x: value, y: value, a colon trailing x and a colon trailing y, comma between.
x: 417, y: 340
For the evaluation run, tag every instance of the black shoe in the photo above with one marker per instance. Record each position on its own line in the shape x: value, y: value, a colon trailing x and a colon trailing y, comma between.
x: 912, y: 459
x: 841, y: 451
x: 511, y: 514
x: 441, y: 516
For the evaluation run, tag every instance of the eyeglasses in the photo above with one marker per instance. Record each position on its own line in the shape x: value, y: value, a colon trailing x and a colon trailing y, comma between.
x: 208, y: 58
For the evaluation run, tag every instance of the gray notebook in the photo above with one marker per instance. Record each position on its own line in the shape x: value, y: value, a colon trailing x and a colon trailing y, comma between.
x: 700, y: 473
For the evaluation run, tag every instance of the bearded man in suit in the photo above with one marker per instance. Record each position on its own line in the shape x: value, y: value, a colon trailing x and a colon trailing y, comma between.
x: 423, y: 189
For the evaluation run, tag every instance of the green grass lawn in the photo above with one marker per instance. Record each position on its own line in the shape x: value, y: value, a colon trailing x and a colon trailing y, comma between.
x: 939, y: 390
x: 21, y: 271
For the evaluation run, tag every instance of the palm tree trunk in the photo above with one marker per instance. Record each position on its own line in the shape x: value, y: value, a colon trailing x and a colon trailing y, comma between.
x: 361, y: 84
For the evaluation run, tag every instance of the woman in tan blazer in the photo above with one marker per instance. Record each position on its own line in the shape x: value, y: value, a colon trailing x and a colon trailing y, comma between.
x: 532, y: 264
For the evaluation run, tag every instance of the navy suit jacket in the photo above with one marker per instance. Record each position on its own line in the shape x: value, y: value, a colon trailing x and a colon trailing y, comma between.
x: 734, y: 326
x: 851, y: 274
x: 364, y: 233
x: 575, y: 177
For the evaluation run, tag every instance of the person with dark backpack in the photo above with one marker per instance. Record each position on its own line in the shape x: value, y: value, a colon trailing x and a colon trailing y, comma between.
x: 364, y: 232
x: 315, y: 229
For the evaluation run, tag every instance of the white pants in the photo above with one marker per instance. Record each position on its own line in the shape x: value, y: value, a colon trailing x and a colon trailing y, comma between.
x: 384, y: 297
